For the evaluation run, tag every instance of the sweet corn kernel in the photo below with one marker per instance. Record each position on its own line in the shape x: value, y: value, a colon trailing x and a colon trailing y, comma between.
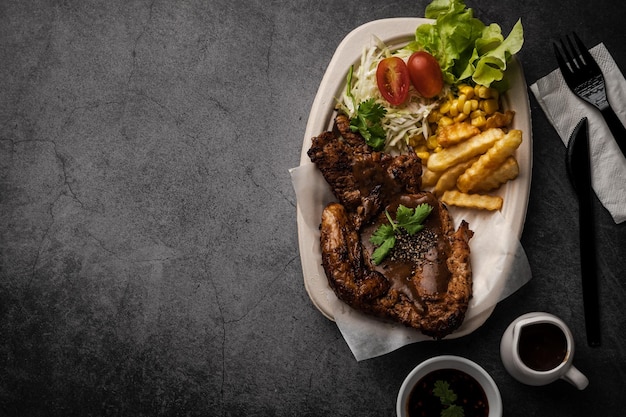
x: 445, y: 121
x: 479, y: 121
x: 477, y: 113
x: 467, y: 107
x: 423, y: 156
x: 461, y: 117
x: 454, y: 108
x: 474, y: 104
x: 461, y: 102
x: 445, y: 107
x: 433, y: 116
x: 417, y: 140
x: 467, y: 90
x: 483, y: 92
x: 490, y: 106
x: 431, y: 143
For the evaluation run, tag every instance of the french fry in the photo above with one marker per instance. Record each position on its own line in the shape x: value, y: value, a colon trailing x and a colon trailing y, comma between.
x: 447, y: 180
x: 473, y: 201
x: 509, y: 170
x: 500, y: 119
x: 489, y: 161
x: 429, y: 178
x: 455, y: 133
x: 472, y: 152
x: 465, y: 150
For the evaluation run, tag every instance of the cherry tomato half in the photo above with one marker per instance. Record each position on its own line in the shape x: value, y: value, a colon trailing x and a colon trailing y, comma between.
x: 425, y: 74
x: 392, y: 77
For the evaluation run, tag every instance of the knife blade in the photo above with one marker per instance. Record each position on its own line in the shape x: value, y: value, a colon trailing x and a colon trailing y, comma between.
x: 579, y: 171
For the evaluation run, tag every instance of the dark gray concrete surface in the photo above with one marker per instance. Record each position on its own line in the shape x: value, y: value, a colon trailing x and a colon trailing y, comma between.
x: 148, y: 245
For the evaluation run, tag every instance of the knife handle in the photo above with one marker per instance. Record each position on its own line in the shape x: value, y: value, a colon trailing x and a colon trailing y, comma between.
x: 616, y: 127
x: 588, y: 265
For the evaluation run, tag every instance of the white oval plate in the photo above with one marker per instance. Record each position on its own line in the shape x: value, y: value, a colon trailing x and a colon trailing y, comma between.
x: 395, y: 32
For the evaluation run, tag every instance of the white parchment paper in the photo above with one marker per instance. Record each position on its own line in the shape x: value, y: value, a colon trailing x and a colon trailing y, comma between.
x: 499, y: 265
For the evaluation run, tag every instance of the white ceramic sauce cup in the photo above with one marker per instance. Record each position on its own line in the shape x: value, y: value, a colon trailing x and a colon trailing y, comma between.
x: 450, y: 362
x: 515, y: 365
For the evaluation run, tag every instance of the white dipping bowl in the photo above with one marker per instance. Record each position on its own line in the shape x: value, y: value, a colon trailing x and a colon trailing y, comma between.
x: 450, y: 362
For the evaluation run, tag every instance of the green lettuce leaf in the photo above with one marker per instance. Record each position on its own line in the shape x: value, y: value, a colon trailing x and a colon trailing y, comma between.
x: 464, y: 46
x: 492, y: 61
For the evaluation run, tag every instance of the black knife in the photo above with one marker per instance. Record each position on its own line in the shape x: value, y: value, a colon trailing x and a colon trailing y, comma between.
x: 579, y: 171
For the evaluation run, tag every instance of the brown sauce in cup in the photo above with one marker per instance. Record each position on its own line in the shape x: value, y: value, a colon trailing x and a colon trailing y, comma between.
x: 470, y: 395
x: 542, y: 346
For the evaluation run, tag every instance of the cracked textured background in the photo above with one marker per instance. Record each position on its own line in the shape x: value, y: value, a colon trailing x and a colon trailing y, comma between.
x: 148, y: 248
x: 144, y: 240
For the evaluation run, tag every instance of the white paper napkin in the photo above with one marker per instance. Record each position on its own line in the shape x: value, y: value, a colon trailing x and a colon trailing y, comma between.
x: 564, y: 110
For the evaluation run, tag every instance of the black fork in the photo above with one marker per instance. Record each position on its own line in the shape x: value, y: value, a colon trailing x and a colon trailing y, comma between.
x: 584, y: 77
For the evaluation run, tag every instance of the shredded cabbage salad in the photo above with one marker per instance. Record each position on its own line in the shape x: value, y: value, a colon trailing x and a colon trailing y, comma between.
x: 399, y: 122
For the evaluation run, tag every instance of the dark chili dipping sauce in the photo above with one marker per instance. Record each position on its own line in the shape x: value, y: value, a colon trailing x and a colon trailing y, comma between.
x: 470, y: 395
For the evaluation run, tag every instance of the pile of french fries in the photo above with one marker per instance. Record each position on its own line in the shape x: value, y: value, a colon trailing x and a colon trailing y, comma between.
x: 471, y: 153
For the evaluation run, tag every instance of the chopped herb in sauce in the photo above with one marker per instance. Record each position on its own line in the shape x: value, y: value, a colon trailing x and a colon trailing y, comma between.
x: 408, y: 220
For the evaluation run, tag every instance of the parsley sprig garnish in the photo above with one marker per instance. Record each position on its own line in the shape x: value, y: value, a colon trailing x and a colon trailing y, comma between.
x: 366, y: 121
x: 447, y: 398
x: 409, y: 219
x: 367, y: 117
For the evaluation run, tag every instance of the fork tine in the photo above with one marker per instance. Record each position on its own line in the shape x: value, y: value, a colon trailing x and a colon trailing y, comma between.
x: 567, y: 56
x: 575, y: 57
x: 584, y: 52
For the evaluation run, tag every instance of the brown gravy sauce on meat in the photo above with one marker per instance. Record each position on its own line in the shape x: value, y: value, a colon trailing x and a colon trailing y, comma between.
x: 425, y: 247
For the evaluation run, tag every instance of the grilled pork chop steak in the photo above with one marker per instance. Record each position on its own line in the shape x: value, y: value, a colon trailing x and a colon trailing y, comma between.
x: 360, y: 178
x: 426, y: 281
